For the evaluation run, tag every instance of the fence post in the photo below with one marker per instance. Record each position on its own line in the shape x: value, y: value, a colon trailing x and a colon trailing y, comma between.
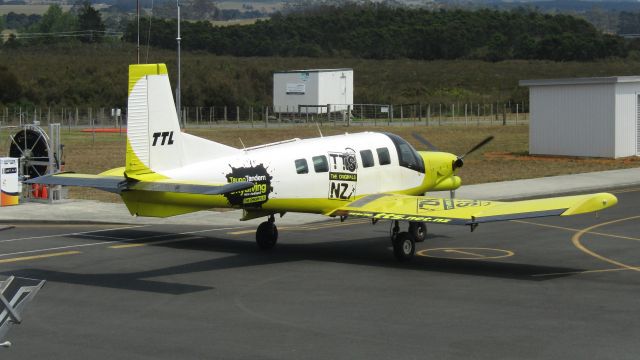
x: 266, y: 116
x: 251, y: 114
x: 504, y: 114
x: 348, y: 115
x: 238, y: 116
x: 428, y: 114
x: 517, y: 112
x: 466, y: 119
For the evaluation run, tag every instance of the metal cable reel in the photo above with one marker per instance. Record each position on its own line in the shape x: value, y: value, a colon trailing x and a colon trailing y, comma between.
x: 32, y: 146
x: 39, y: 153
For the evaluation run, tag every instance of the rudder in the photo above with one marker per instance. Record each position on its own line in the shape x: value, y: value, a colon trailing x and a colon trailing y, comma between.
x: 153, y: 129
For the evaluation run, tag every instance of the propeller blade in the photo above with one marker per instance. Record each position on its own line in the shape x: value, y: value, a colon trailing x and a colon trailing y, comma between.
x: 459, y: 161
x: 425, y: 142
x: 480, y: 144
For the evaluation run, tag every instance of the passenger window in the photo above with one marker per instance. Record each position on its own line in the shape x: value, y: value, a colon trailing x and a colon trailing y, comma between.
x: 301, y: 166
x: 383, y: 156
x: 320, y: 164
x: 367, y: 158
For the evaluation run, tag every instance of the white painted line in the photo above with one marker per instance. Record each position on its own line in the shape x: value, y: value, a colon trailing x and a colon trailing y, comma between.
x: 71, y: 234
x: 113, y: 241
x: 56, y: 248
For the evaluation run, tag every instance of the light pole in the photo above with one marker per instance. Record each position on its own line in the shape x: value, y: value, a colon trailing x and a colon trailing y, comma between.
x: 138, y: 21
x: 179, y: 108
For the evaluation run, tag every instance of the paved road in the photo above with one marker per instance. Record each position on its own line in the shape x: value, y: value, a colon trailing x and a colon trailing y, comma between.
x: 542, y: 288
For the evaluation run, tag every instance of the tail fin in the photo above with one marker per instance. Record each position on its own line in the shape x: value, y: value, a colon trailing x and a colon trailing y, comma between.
x: 153, y: 130
x: 154, y: 140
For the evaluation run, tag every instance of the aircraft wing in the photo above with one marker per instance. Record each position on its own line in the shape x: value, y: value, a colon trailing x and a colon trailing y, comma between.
x: 118, y: 184
x: 469, y: 212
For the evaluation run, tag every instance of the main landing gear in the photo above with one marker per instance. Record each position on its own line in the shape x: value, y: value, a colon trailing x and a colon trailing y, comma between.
x: 267, y: 234
x: 404, y: 243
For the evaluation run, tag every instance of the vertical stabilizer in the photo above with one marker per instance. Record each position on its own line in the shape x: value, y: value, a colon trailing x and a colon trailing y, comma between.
x: 153, y: 130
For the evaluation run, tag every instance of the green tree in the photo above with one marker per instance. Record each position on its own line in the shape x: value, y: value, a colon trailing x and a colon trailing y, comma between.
x: 56, y: 20
x: 90, y: 20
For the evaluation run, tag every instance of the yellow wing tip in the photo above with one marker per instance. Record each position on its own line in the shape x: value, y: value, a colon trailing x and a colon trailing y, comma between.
x: 595, y: 202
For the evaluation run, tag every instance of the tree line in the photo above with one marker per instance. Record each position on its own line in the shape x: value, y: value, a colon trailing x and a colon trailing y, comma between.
x: 83, y: 23
x: 377, y: 31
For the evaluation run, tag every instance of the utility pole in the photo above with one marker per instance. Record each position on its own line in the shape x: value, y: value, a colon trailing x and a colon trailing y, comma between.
x: 179, y: 109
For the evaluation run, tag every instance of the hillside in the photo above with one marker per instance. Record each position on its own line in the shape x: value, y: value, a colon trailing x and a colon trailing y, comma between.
x: 96, y: 75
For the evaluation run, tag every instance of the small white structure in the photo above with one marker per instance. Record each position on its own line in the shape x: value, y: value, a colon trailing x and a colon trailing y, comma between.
x: 310, y: 91
x: 10, y: 186
x: 597, y: 117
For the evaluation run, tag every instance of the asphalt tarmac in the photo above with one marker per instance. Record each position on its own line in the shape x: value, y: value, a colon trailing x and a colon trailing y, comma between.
x: 565, y: 288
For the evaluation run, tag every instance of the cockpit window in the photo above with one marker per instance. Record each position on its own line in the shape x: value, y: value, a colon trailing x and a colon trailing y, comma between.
x: 383, y: 156
x: 407, y: 155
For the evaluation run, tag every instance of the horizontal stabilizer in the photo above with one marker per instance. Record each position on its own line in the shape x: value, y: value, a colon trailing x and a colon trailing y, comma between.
x: 191, y: 188
x: 118, y: 184
x: 108, y: 183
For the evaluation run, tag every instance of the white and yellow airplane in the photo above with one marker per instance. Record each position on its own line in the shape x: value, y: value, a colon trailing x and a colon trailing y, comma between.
x: 371, y: 175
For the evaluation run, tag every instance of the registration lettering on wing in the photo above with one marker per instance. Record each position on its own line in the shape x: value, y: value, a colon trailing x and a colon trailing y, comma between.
x: 448, y: 204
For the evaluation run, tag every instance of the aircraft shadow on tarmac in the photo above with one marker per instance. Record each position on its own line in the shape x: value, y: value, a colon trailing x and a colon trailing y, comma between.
x: 243, y: 253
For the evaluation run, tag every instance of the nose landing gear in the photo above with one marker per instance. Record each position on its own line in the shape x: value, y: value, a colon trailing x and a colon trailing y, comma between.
x: 404, y: 243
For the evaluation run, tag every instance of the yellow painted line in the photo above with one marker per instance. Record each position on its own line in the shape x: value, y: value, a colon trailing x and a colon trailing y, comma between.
x: 463, y: 252
x: 242, y: 232
x: 501, y: 253
x: 582, y: 272
x: 577, y: 230
x: 575, y: 239
x: 158, y: 242
x: 35, y: 257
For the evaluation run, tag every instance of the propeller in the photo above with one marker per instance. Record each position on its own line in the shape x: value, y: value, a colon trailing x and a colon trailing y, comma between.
x: 425, y: 142
x: 460, y: 160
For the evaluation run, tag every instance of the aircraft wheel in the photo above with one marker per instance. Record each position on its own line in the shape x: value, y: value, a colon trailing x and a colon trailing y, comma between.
x: 418, y: 230
x: 404, y: 246
x: 267, y: 235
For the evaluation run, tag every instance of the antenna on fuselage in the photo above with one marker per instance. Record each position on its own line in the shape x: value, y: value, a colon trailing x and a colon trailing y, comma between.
x: 243, y: 147
x: 320, y: 131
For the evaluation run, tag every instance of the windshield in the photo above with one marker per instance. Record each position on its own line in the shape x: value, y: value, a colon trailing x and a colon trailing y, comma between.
x: 407, y: 156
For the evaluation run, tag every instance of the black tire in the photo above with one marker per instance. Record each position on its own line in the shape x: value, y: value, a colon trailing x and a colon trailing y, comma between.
x: 404, y: 246
x: 267, y: 235
x: 418, y: 230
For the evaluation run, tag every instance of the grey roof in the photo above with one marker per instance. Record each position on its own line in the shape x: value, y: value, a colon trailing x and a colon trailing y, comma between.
x: 311, y: 70
x: 580, y: 81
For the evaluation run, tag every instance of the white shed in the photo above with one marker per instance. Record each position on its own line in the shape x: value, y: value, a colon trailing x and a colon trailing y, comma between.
x: 310, y: 91
x: 597, y: 117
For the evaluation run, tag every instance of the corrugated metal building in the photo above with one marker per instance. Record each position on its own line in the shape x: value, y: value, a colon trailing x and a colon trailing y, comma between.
x: 310, y: 91
x: 597, y: 117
